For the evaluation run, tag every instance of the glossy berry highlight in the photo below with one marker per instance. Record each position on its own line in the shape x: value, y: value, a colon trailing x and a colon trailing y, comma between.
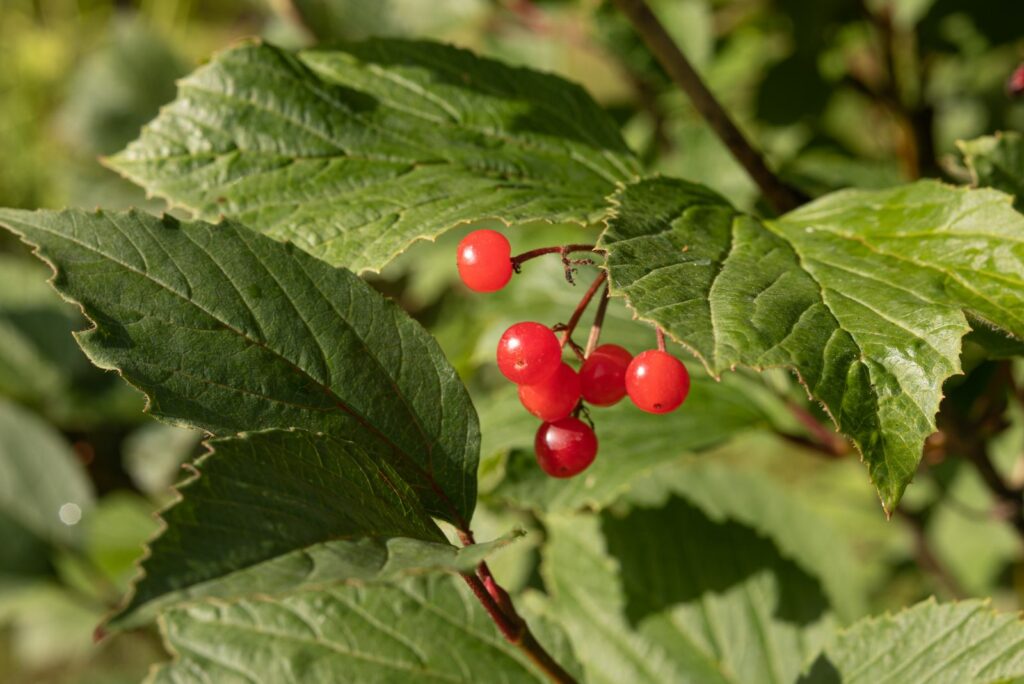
x: 528, y: 353
x: 657, y: 382
x: 603, y: 375
x: 554, y: 397
x: 485, y: 260
x: 565, y: 448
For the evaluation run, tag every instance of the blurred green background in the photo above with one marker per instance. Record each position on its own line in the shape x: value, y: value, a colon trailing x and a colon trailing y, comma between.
x: 837, y: 92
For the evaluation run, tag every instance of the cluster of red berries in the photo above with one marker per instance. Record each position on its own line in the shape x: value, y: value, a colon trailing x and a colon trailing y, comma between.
x: 530, y: 355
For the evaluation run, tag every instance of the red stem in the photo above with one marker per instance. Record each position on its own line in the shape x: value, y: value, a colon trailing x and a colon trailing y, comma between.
x: 498, y: 604
x: 582, y: 306
x: 558, y: 249
x: 660, y: 334
x: 829, y: 440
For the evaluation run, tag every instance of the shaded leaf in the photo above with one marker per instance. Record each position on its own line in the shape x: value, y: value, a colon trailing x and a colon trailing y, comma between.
x: 332, y: 20
x: 862, y: 293
x: 354, y: 153
x: 997, y: 161
x: 425, y: 630
x: 667, y: 595
x: 274, y: 512
x: 931, y: 642
x: 40, y: 475
x: 40, y: 364
x: 725, y: 492
x: 227, y: 330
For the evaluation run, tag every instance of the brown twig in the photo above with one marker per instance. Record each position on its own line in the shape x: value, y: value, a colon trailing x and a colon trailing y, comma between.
x: 660, y: 336
x: 782, y: 197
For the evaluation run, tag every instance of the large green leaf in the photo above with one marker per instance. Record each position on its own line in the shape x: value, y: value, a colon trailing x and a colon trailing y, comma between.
x: 997, y: 161
x: 668, y: 595
x: 228, y: 330
x: 725, y: 492
x: 956, y: 643
x: 274, y: 512
x: 354, y: 153
x: 427, y: 630
x: 862, y: 293
x: 43, y: 487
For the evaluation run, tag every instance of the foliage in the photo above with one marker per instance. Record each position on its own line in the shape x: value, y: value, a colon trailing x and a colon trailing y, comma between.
x: 296, y: 313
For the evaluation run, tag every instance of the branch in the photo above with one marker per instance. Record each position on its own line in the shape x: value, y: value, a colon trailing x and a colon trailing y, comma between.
x: 782, y: 197
x: 498, y: 604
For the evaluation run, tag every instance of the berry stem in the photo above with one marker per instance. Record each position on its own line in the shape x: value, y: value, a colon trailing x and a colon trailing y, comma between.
x: 595, y: 329
x: 562, y: 250
x: 660, y: 334
x: 498, y: 604
x: 569, y: 327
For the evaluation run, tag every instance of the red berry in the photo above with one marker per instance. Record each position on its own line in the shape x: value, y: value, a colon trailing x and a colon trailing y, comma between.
x: 565, y: 448
x: 528, y: 353
x: 485, y: 260
x: 603, y: 375
x: 554, y: 397
x: 1015, y: 86
x: 657, y: 382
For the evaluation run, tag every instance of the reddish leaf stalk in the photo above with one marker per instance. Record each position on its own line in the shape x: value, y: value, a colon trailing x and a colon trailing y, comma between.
x: 660, y: 334
x: 498, y: 604
x: 829, y: 441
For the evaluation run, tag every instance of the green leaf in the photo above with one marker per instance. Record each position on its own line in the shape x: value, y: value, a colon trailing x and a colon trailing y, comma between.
x: 424, y: 630
x: 725, y: 492
x: 632, y: 443
x: 997, y: 161
x: 227, y: 330
x: 354, y: 153
x: 668, y: 595
x: 40, y: 364
x: 43, y: 487
x: 153, y: 455
x: 931, y: 642
x: 333, y: 20
x: 861, y: 293
x: 279, y: 511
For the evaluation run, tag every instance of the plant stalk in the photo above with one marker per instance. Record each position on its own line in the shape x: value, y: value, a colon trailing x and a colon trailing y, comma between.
x: 595, y: 329
x: 782, y: 197
x: 498, y: 604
